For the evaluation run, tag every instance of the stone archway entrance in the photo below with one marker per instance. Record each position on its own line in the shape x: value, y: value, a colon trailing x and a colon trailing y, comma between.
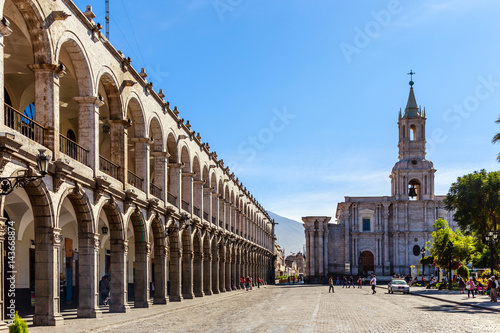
x: 367, y: 262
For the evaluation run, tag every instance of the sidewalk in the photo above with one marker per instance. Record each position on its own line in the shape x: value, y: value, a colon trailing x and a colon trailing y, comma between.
x: 75, y: 325
x: 453, y: 296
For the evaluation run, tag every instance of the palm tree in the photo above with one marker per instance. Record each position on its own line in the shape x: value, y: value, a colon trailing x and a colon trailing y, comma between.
x: 496, y: 138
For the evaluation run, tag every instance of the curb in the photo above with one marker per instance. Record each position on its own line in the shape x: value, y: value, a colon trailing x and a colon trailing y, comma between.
x: 450, y: 301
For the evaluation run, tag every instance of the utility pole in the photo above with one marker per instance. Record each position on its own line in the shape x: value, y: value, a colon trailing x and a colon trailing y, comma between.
x: 107, y: 19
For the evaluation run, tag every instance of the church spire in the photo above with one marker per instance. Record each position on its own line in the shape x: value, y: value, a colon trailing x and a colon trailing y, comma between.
x: 411, y: 109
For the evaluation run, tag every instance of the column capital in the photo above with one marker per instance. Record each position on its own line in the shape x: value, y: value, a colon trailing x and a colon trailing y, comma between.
x: 92, y: 100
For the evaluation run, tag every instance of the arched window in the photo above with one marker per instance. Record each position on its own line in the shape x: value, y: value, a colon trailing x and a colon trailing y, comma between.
x: 413, y: 133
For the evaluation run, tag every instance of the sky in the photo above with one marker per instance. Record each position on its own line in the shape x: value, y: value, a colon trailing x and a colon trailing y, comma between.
x: 301, y: 97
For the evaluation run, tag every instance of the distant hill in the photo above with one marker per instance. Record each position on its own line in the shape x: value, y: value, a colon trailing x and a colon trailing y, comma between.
x: 290, y: 234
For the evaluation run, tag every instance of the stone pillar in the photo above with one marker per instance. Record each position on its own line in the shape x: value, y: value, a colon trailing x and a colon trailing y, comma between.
x: 187, y: 274
x: 142, y: 161
x: 88, y: 128
x: 222, y: 270
x: 119, y: 286
x: 207, y: 273
x: 119, y: 151
x: 325, y: 249
x: 160, y: 165
x: 47, y: 103
x: 228, y: 270
x: 215, y: 268
x: 47, y: 254
x: 161, y: 273
x: 88, y: 278
x: 175, y: 273
x: 385, y: 219
x: 187, y: 191
x: 207, y: 204
x: 320, y: 251
x: 198, y: 272
x: 141, y: 282
x: 308, y: 249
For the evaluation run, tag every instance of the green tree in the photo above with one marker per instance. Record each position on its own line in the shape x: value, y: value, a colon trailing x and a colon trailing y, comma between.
x: 463, y: 245
x: 476, y: 200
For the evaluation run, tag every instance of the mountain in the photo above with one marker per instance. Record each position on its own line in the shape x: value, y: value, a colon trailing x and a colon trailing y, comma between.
x: 290, y: 234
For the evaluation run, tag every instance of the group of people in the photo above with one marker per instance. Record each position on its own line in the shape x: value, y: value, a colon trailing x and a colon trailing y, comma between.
x: 347, y: 283
x: 247, y: 283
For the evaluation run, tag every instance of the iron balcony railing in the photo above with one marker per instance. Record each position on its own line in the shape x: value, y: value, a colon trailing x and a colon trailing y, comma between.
x: 24, y: 125
x: 155, y: 190
x: 73, y: 149
x: 171, y: 198
x: 135, y: 180
x: 108, y: 167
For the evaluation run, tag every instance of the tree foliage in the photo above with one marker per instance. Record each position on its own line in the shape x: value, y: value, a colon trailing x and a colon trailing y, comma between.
x: 463, y: 246
x: 475, y: 198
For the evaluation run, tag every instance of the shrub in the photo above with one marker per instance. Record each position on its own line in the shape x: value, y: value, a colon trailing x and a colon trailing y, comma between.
x: 18, y: 325
x: 487, y: 274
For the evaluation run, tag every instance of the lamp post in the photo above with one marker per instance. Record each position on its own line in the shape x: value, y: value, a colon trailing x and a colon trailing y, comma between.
x: 9, y: 184
x: 491, y: 237
x: 450, y: 248
x: 422, y: 252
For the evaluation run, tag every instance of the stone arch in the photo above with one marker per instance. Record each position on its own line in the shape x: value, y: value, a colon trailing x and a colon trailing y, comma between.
x: 82, y: 208
x: 197, y: 187
x: 142, y: 256
x: 136, y: 143
x: 156, y: 159
x: 135, y: 115
x: 159, y: 267
x: 187, y: 179
x: 173, y: 181
x: 34, y: 19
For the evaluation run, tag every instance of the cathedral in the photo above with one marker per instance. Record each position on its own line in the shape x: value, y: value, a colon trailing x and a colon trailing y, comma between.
x: 384, y: 235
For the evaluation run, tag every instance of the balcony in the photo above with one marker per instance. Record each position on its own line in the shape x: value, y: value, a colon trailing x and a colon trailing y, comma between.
x: 24, y: 125
x: 205, y: 216
x: 155, y: 190
x: 171, y: 198
x: 135, y: 180
x: 73, y: 149
x: 196, y: 211
x: 185, y: 205
x: 108, y: 167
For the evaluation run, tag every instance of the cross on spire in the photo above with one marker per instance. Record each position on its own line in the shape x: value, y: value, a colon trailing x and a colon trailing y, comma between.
x: 411, y: 76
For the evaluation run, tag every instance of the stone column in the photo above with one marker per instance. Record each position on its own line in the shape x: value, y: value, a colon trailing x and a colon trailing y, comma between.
x: 88, y: 128
x: 187, y: 191
x: 5, y: 31
x: 215, y: 268
x: 161, y: 273
x: 207, y: 203
x: 187, y: 274
x: 228, y: 270
x: 325, y: 249
x: 222, y: 270
x: 198, y: 272
x: 119, y: 286
x: 47, y: 254
x: 175, y: 273
x: 207, y: 273
x: 308, y: 249
x: 385, y: 218
x: 119, y: 151
x: 88, y: 278
x: 141, y: 282
x: 47, y: 103
x: 160, y: 165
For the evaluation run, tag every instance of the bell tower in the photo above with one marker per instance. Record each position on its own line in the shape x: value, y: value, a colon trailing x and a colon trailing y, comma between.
x: 412, y: 177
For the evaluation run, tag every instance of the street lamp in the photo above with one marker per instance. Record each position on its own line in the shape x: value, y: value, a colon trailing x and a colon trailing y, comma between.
x: 450, y: 248
x: 8, y: 184
x: 491, y: 237
x: 422, y: 252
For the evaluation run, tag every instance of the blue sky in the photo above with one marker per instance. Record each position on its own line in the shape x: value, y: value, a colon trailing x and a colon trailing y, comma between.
x: 301, y: 98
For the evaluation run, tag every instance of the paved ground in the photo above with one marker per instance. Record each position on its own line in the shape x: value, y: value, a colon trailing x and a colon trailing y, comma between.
x: 302, y: 308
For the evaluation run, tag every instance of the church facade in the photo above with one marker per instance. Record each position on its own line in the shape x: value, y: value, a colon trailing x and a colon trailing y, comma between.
x: 384, y: 234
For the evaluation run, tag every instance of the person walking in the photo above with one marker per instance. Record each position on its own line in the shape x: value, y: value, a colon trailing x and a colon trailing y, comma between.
x: 360, y: 282
x: 373, y: 283
x: 330, y: 283
x: 259, y: 281
x: 344, y: 285
x: 104, y: 289
x: 338, y: 281
x: 470, y: 287
x: 242, y: 283
x: 494, y: 289
x: 461, y: 285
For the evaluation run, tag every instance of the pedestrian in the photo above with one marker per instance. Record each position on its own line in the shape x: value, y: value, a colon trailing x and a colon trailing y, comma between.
x: 461, y: 285
x: 494, y: 289
x: 104, y: 289
x: 344, y: 282
x: 351, y: 282
x: 373, y: 283
x: 359, y: 282
x: 242, y: 283
x: 330, y: 283
x: 251, y: 283
x: 470, y: 287
x: 247, y: 283
x: 338, y: 281
x: 258, y: 281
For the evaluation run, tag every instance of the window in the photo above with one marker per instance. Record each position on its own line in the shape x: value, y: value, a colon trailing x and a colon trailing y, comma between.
x: 366, y: 224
